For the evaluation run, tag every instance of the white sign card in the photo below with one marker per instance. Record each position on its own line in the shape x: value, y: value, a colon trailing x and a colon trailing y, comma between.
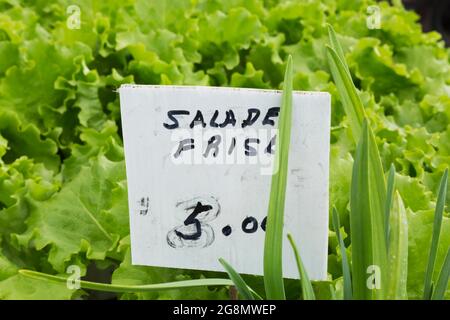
x: 199, y: 162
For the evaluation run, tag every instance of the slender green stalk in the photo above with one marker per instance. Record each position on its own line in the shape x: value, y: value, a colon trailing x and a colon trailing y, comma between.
x: 345, y: 265
x: 398, y: 251
x: 369, y: 254
x: 243, y: 289
x: 439, y: 211
x: 368, y: 194
x: 130, y: 288
x: 442, y: 282
x: 334, y: 43
x: 389, y: 197
x: 307, y: 289
x: 273, y: 245
x: 347, y: 92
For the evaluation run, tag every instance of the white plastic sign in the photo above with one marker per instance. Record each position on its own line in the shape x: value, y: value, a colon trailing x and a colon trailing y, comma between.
x: 199, y: 162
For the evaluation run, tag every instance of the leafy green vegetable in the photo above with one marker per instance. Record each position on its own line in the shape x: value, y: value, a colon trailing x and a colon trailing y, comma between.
x: 14, y: 286
x: 369, y: 238
x: 86, y: 216
x: 60, y: 130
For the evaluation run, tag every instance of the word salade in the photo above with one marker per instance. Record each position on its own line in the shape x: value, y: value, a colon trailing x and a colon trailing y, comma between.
x: 199, y: 164
x: 215, y: 139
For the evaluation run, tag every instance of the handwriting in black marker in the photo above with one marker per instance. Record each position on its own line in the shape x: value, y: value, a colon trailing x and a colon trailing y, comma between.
x: 195, y: 231
x: 213, y: 143
x: 249, y: 150
x: 229, y: 119
x: 253, y: 115
x: 264, y: 223
x: 191, y: 219
x: 226, y: 230
x: 249, y: 225
x: 271, y: 146
x: 144, y: 203
x: 184, y: 145
x: 198, y: 119
x: 174, y: 117
x: 271, y: 113
x: 171, y: 115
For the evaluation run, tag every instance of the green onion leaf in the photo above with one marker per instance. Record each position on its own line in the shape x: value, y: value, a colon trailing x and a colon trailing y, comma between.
x: 369, y: 254
x: 243, y: 289
x: 345, y: 265
x: 307, y: 289
x: 131, y: 288
x: 439, y: 211
x: 347, y: 92
x: 368, y: 191
x: 389, y: 196
x: 334, y: 43
x: 442, y: 282
x: 273, y: 245
x: 398, y: 251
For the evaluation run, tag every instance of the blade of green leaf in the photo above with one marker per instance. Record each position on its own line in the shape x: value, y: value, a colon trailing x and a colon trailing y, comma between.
x: 398, y: 251
x: 345, y: 265
x: 131, y: 288
x: 347, y: 92
x: 307, y: 289
x: 334, y: 43
x: 442, y: 282
x: 367, y: 220
x: 389, y: 197
x: 368, y: 195
x: 273, y: 245
x: 243, y: 289
x: 438, y: 213
x: 355, y: 112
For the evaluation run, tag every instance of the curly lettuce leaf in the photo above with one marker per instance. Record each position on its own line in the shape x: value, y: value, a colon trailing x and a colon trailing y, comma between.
x: 82, y: 217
